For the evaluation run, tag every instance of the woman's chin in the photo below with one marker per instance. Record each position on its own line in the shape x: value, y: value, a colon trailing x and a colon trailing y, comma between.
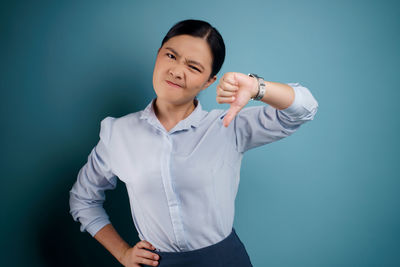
x: 174, y: 99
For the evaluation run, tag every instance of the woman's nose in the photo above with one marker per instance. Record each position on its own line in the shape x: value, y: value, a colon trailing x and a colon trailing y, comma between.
x: 176, y: 72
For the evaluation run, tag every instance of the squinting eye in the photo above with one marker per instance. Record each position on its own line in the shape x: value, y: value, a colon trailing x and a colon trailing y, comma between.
x: 195, y: 68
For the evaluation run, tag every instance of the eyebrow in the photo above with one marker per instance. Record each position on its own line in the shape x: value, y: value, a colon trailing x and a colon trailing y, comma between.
x: 189, y: 61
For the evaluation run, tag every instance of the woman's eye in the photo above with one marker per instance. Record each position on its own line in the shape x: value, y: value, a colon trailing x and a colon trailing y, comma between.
x: 193, y: 67
x: 170, y: 55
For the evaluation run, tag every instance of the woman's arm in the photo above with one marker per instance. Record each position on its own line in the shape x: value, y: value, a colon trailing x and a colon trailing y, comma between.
x: 112, y: 241
x: 86, y: 204
x: 237, y: 89
x: 289, y: 106
x: 278, y: 95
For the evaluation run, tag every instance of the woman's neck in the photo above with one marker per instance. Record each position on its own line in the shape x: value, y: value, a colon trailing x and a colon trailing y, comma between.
x: 170, y: 115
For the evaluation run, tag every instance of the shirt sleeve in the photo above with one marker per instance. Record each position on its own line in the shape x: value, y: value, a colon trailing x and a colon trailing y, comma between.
x: 260, y: 125
x: 87, y: 194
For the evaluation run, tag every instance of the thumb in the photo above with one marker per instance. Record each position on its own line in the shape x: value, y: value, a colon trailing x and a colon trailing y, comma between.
x: 233, y: 110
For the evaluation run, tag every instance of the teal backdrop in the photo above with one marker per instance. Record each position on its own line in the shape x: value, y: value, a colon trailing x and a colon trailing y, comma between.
x: 325, y: 196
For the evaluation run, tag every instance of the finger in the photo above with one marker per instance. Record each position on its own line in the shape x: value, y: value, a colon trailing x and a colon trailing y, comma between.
x: 148, y: 262
x: 230, y: 115
x: 222, y: 99
x: 222, y: 92
x: 147, y: 254
x: 228, y: 87
x: 145, y: 244
x: 230, y: 79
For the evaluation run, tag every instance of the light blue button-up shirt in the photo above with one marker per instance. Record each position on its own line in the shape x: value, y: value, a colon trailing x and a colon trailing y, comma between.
x: 182, y: 184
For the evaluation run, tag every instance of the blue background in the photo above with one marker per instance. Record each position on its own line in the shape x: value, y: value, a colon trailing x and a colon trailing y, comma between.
x: 325, y: 196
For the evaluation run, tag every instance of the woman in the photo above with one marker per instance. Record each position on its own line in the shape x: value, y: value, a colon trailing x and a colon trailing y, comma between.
x: 181, y: 164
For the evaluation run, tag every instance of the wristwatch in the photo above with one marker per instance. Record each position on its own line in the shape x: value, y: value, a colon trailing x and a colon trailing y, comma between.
x: 261, y: 86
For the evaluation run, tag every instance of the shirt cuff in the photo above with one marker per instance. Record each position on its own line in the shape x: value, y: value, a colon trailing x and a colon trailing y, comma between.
x: 96, y: 226
x: 92, y: 219
x: 304, y: 104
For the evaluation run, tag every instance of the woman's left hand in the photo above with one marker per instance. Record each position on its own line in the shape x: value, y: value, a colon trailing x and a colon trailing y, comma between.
x: 236, y: 89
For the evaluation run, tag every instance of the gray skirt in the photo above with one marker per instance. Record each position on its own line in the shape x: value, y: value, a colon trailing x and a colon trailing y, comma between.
x: 228, y: 252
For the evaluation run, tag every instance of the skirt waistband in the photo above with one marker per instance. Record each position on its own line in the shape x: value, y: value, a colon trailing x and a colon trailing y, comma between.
x: 201, y: 251
x: 228, y: 252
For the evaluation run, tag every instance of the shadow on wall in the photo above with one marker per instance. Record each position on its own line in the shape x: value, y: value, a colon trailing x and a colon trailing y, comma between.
x: 60, y: 242
x: 55, y: 235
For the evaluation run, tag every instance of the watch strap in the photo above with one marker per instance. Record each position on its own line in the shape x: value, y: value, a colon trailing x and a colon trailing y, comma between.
x: 261, y: 86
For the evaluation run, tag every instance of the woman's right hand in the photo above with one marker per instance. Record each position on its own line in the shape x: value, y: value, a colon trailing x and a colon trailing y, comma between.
x: 137, y: 255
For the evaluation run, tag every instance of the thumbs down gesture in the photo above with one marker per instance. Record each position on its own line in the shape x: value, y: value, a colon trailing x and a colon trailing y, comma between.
x: 236, y: 89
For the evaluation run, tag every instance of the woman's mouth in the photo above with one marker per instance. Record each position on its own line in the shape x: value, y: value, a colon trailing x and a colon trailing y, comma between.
x: 173, y: 84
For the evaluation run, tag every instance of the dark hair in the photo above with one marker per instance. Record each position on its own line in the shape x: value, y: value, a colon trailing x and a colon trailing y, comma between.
x: 202, y: 29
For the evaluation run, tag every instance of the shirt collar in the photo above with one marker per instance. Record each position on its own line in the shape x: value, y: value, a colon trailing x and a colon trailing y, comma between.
x: 192, y: 120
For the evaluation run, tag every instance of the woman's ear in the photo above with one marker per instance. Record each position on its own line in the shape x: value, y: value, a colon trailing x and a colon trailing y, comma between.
x: 210, y: 81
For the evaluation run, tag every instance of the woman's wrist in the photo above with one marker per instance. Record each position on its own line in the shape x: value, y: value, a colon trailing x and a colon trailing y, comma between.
x: 112, y: 241
x: 254, y: 87
x: 121, y: 256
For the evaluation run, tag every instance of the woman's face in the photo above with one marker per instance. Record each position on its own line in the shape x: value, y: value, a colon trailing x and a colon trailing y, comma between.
x: 182, y: 69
